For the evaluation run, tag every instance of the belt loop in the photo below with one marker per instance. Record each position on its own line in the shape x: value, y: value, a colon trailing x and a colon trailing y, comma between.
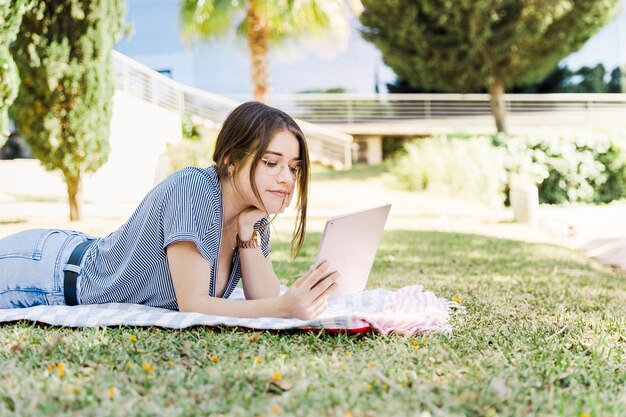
x: 69, y: 281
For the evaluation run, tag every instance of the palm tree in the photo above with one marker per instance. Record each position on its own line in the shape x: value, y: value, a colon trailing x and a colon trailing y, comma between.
x: 266, y: 22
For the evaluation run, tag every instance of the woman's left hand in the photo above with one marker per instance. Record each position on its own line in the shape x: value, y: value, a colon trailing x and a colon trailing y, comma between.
x: 246, y: 221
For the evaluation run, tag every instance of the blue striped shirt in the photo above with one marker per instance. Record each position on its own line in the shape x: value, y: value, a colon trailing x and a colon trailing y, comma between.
x: 130, y: 264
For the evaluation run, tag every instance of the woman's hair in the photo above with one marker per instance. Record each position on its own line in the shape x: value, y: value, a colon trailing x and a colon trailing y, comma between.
x: 246, y: 133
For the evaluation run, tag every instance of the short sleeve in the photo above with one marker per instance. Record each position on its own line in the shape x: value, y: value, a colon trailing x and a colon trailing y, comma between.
x: 263, y: 227
x: 189, y: 214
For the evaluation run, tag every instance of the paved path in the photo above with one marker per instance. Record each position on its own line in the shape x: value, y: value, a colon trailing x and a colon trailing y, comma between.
x: 599, y: 231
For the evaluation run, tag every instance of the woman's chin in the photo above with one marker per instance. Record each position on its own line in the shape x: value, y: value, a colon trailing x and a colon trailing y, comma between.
x: 275, y: 208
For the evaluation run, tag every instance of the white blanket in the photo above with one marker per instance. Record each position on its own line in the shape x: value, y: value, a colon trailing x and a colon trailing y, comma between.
x: 408, y: 310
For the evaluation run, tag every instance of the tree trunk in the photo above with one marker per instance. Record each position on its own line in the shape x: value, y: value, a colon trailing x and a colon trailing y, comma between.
x: 73, y: 194
x: 498, y: 108
x: 258, y: 43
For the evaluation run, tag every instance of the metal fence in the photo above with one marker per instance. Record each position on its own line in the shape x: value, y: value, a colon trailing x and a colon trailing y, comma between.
x: 325, y: 145
x: 359, y: 108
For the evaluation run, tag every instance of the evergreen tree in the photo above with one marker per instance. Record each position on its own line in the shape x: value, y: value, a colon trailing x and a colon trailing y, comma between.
x: 557, y: 81
x: 63, y: 109
x: 592, y: 80
x: 11, y: 12
x: 615, y: 84
x: 469, y: 44
x: 263, y: 22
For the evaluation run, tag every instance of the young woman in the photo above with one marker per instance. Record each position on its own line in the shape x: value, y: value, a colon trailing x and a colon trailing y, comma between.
x: 191, y: 239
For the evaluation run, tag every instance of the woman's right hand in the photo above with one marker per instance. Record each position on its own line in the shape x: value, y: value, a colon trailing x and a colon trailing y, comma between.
x: 305, y: 300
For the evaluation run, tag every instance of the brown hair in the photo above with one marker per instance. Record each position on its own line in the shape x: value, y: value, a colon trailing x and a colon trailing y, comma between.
x: 246, y: 133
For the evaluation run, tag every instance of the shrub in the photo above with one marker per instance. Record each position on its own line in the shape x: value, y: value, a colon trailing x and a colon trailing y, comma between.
x: 589, y: 168
x: 471, y: 169
x: 189, y: 152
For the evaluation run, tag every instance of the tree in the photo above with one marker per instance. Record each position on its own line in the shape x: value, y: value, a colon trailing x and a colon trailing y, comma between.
x: 557, y: 81
x: 469, y: 44
x: 11, y: 12
x: 63, y: 109
x: 615, y: 84
x: 263, y: 22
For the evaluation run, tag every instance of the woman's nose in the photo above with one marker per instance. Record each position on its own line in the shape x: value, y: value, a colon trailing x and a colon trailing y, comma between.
x: 285, y: 175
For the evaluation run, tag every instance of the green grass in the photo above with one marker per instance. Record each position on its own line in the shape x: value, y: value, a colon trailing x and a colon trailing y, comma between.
x: 544, y: 334
x: 358, y: 172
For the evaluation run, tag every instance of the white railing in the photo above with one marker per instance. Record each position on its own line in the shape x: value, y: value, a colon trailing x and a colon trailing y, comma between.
x: 356, y: 108
x: 325, y: 145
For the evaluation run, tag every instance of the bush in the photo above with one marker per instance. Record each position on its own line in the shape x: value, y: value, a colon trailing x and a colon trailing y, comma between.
x: 189, y: 152
x: 471, y: 169
x: 589, y: 169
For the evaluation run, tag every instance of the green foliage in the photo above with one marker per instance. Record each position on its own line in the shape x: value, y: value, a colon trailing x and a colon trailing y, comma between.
x: 471, y: 169
x: 189, y: 129
x: 63, y: 109
x: 587, y: 168
x: 190, y: 152
x: 561, y: 79
x: 207, y: 19
x: 469, y: 44
x: 11, y: 12
x: 615, y: 84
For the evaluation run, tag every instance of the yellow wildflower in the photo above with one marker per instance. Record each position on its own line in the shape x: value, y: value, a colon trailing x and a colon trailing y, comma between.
x: 215, y: 358
x: 277, y: 376
x: 129, y: 365
x: 457, y: 299
x: 170, y: 363
x: 59, y: 367
x: 276, y: 409
x: 147, y: 367
x: 258, y: 360
x: 372, y: 364
x: 112, y: 392
x: 348, y: 354
x: 132, y: 338
x: 347, y: 413
x: 415, y: 343
x: 584, y: 415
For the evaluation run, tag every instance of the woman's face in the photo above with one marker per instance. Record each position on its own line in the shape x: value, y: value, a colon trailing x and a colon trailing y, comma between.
x: 275, y: 175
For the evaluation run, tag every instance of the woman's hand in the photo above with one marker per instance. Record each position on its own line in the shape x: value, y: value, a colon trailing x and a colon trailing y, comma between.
x: 246, y: 221
x: 308, y: 297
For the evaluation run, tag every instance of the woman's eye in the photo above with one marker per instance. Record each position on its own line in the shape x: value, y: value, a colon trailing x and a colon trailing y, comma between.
x: 271, y: 164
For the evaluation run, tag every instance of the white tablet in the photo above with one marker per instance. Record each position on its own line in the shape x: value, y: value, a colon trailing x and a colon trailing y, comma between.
x: 349, y: 244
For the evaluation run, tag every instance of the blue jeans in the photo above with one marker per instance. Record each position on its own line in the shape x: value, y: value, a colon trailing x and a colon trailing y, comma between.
x: 32, y: 265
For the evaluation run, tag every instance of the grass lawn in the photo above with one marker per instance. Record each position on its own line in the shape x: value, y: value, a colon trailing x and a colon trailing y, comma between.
x: 544, y: 334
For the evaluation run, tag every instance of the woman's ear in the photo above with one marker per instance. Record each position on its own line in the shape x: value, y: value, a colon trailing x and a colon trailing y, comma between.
x: 231, y: 170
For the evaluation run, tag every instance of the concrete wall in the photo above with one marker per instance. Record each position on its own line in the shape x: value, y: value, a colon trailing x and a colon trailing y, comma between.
x: 140, y: 132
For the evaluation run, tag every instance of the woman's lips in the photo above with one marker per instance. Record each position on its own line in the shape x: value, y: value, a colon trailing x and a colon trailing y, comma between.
x: 279, y: 193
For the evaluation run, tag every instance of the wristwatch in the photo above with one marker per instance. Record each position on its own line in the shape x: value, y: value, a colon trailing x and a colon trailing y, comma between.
x: 249, y: 244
